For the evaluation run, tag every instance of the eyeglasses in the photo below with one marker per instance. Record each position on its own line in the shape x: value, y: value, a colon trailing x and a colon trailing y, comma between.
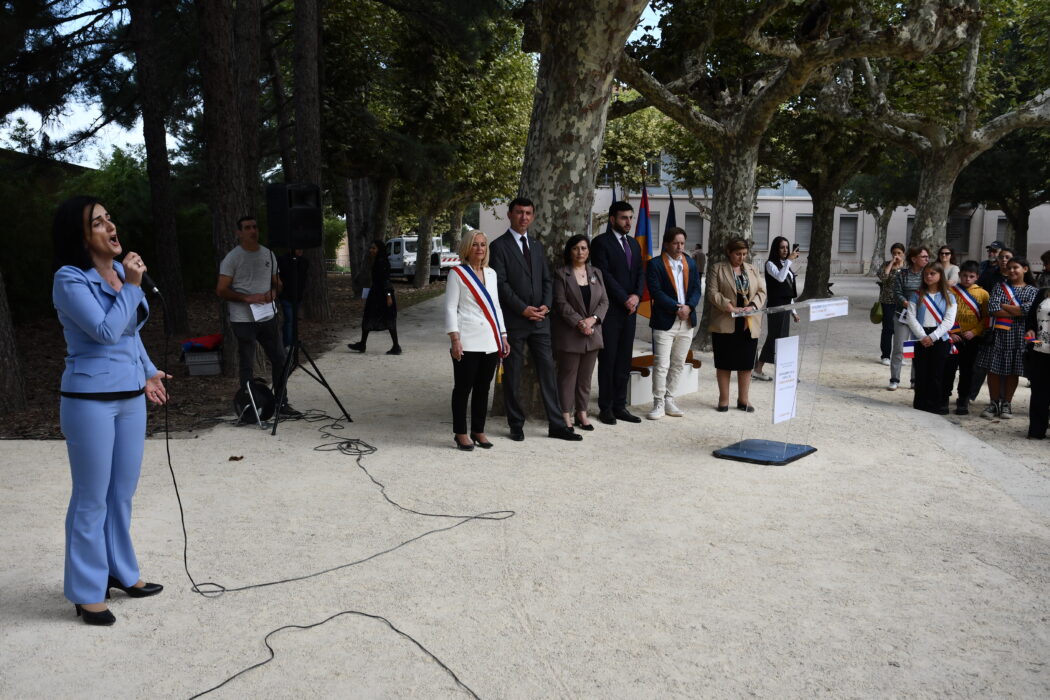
x: 946, y: 252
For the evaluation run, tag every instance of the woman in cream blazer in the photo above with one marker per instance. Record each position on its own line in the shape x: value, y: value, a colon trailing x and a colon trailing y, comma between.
x: 474, y: 323
x: 735, y: 285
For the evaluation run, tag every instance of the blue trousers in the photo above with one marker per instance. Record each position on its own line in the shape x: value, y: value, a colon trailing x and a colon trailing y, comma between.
x: 105, y: 441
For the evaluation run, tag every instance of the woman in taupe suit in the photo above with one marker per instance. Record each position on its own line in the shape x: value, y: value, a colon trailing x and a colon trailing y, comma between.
x: 580, y: 303
x: 735, y: 285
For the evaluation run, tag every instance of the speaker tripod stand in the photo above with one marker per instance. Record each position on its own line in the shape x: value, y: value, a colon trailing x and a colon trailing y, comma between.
x: 291, y: 363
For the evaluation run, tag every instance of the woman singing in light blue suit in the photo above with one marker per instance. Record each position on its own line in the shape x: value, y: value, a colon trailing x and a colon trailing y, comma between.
x: 101, y: 306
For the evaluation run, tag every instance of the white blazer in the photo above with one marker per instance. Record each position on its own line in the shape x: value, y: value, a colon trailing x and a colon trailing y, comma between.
x: 464, y: 316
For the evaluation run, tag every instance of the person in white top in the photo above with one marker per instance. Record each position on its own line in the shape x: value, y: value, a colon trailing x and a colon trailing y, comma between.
x: 930, y: 317
x: 474, y: 323
x: 780, y: 289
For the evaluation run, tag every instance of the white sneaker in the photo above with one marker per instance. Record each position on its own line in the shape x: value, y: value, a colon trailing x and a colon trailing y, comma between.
x: 886, y: 361
x: 991, y: 411
x: 892, y: 386
x: 658, y: 410
x: 761, y: 376
x: 671, y: 408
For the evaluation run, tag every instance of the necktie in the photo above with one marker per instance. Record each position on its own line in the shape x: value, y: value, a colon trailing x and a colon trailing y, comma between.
x: 626, y: 250
x: 525, y: 251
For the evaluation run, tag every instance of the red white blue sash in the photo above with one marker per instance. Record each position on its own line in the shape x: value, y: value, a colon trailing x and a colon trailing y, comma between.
x: 931, y: 307
x: 938, y: 316
x: 964, y: 297
x: 471, y: 281
x: 1005, y: 324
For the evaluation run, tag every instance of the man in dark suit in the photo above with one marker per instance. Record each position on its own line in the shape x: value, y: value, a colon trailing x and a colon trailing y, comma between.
x: 525, y: 290
x: 674, y: 287
x: 618, y: 256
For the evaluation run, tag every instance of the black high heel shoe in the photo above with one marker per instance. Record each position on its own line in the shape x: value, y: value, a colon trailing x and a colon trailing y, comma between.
x: 460, y: 445
x: 103, y: 618
x: 479, y: 443
x: 143, y: 591
x: 579, y: 424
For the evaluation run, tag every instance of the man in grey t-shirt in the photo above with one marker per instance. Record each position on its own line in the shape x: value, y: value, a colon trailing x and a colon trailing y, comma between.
x: 249, y: 283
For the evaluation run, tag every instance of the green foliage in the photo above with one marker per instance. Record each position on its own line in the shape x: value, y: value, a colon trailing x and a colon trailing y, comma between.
x: 448, y: 121
x: 334, y: 233
x: 634, y: 142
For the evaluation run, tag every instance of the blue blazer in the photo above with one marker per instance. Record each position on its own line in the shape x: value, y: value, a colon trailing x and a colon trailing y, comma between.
x: 103, y: 350
x: 664, y: 309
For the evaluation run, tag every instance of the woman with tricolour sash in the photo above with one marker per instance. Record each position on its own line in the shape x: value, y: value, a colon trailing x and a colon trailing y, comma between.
x: 930, y: 318
x: 474, y: 323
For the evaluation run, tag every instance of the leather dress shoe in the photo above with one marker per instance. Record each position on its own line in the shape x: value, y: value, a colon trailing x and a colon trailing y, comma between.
x: 517, y: 434
x: 578, y: 424
x: 626, y: 416
x: 607, y: 417
x: 143, y: 591
x: 563, y: 433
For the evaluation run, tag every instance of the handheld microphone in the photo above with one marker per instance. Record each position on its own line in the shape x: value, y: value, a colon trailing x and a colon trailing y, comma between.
x: 149, y: 285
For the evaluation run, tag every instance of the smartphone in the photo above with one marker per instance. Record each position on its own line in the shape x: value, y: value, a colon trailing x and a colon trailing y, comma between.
x: 794, y: 247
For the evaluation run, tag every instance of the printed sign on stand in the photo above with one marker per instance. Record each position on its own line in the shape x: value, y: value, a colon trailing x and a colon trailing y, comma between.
x: 820, y: 310
x: 786, y: 379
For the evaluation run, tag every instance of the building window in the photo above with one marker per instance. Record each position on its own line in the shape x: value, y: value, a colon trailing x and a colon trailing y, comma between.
x: 907, y: 230
x: 694, y: 230
x: 958, y: 237
x: 848, y: 233
x: 760, y: 231
x: 652, y: 171
x: 803, y: 230
x: 1002, y: 229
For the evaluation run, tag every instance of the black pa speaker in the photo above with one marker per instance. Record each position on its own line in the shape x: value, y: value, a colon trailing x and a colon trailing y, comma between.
x: 294, y: 213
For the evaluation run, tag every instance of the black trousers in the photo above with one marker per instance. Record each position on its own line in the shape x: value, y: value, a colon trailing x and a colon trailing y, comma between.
x: 538, y: 343
x: 268, y: 335
x: 1039, y: 410
x: 473, y: 377
x: 929, y: 376
x: 779, y: 327
x: 614, y: 359
x: 964, y: 363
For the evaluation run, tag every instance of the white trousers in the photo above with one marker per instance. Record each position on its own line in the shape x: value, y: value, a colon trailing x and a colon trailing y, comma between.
x: 670, y: 348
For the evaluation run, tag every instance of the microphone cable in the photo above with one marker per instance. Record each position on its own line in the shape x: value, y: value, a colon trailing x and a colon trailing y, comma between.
x: 353, y: 447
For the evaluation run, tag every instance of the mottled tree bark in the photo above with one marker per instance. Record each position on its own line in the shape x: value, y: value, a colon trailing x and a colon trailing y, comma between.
x: 223, y: 143
x: 247, y: 34
x: 580, y: 43
x: 424, y: 246
x: 307, y: 98
x: 285, y: 127
x: 12, y: 388
x: 166, y: 267
x: 938, y: 170
x: 882, y: 227
x: 818, y: 261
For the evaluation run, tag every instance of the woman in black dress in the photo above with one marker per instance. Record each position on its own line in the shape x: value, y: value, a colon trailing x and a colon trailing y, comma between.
x: 781, y: 289
x: 734, y: 285
x: 381, y: 305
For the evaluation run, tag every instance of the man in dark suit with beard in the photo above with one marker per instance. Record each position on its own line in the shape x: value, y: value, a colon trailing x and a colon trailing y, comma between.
x: 525, y: 290
x: 619, y: 257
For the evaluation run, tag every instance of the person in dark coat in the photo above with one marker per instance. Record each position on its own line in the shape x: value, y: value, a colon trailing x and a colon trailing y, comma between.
x: 780, y: 290
x: 619, y: 257
x: 380, y: 312
x: 526, y: 296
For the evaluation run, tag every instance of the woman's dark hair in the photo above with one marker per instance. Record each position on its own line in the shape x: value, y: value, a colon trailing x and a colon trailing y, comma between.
x: 914, y: 251
x: 1029, y: 278
x: 897, y: 246
x: 566, y: 255
x: 736, y: 244
x: 67, y: 233
x: 774, y: 250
